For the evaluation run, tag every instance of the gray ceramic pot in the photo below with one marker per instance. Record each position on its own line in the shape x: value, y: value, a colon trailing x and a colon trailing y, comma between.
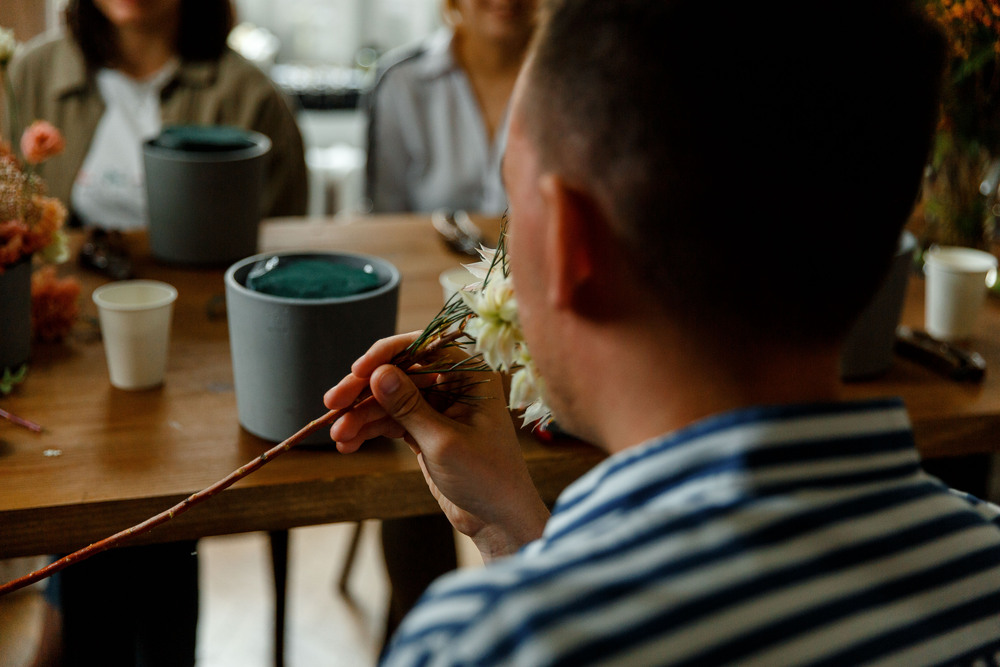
x: 287, y: 351
x: 868, y: 349
x: 15, y: 315
x: 203, y: 185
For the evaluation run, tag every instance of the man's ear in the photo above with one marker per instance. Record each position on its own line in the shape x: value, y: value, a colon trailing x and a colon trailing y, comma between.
x: 576, y: 237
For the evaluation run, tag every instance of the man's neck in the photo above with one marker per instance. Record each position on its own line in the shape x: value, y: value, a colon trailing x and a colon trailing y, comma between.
x: 654, y: 380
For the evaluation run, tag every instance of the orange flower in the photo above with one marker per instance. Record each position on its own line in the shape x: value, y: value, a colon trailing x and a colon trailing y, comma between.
x: 30, y: 222
x: 49, y: 215
x: 54, y: 304
x: 41, y: 141
x: 12, y: 233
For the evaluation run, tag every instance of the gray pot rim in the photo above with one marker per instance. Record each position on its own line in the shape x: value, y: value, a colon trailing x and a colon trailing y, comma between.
x: 388, y: 286
x: 261, y: 146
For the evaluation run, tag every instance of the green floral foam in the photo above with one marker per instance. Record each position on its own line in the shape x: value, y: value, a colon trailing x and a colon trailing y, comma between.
x: 313, y: 279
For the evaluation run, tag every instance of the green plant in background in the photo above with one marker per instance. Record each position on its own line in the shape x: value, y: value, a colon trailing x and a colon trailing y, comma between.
x: 11, y: 378
x: 960, y: 189
x: 8, y: 381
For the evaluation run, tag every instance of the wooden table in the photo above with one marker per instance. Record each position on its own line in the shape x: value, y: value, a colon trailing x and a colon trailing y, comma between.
x: 109, y: 458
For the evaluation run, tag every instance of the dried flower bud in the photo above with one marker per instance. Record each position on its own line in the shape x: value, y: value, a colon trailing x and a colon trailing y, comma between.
x: 54, y: 304
x: 41, y: 141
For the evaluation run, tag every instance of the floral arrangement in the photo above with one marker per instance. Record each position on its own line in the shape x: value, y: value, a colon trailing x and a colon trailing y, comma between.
x: 960, y: 190
x: 31, y: 223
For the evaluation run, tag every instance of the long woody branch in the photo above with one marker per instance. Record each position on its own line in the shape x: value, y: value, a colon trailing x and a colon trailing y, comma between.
x: 406, y: 359
x: 119, y: 538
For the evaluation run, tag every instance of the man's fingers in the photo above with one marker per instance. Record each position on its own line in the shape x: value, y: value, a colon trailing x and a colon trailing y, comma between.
x: 345, y: 392
x: 402, y: 401
x: 384, y: 428
x: 382, y: 353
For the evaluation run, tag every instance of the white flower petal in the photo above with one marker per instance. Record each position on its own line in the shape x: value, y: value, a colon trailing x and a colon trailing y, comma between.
x: 536, y: 413
x: 523, y: 390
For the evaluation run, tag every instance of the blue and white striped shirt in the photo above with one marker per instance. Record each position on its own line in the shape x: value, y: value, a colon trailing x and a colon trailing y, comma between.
x: 795, y: 535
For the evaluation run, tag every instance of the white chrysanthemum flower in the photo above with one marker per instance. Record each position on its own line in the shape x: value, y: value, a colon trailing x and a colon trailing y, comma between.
x: 7, y: 46
x: 495, y: 328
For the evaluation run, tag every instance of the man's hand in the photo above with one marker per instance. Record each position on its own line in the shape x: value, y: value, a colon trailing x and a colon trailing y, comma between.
x: 469, y: 453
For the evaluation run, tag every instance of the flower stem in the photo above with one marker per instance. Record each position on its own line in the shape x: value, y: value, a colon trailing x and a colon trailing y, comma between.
x: 118, y: 538
x: 20, y: 421
x: 404, y: 360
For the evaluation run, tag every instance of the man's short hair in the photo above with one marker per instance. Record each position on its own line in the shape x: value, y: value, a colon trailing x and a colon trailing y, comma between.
x: 758, y: 160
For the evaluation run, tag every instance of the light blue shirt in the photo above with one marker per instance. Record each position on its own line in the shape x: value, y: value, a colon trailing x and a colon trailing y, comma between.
x: 795, y: 535
x: 428, y: 144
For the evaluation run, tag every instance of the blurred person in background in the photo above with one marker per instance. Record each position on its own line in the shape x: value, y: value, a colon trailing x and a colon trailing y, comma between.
x: 120, y: 72
x: 438, y: 111
x: 437, y: 130
x: 123, y: 70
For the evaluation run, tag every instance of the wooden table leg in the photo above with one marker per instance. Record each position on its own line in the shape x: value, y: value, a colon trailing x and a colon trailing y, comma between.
x: 279, y: 561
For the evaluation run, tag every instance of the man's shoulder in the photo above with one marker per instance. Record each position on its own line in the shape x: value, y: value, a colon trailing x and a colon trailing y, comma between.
x: 825, y: 558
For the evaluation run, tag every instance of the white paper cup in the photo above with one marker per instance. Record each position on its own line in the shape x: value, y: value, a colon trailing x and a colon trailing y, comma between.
x: 956, y: 284
x: 454, y: 279
x: 135, y: 324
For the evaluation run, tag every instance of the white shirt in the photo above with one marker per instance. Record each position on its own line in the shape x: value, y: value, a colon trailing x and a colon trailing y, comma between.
x: 428, y: 143
x: 109, y: 190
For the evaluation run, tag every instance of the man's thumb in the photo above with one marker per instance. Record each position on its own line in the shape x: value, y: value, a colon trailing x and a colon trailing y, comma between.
x: 401, y: 399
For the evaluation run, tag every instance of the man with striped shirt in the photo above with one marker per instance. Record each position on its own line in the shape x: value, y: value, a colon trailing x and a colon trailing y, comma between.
x: 702, y: 199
